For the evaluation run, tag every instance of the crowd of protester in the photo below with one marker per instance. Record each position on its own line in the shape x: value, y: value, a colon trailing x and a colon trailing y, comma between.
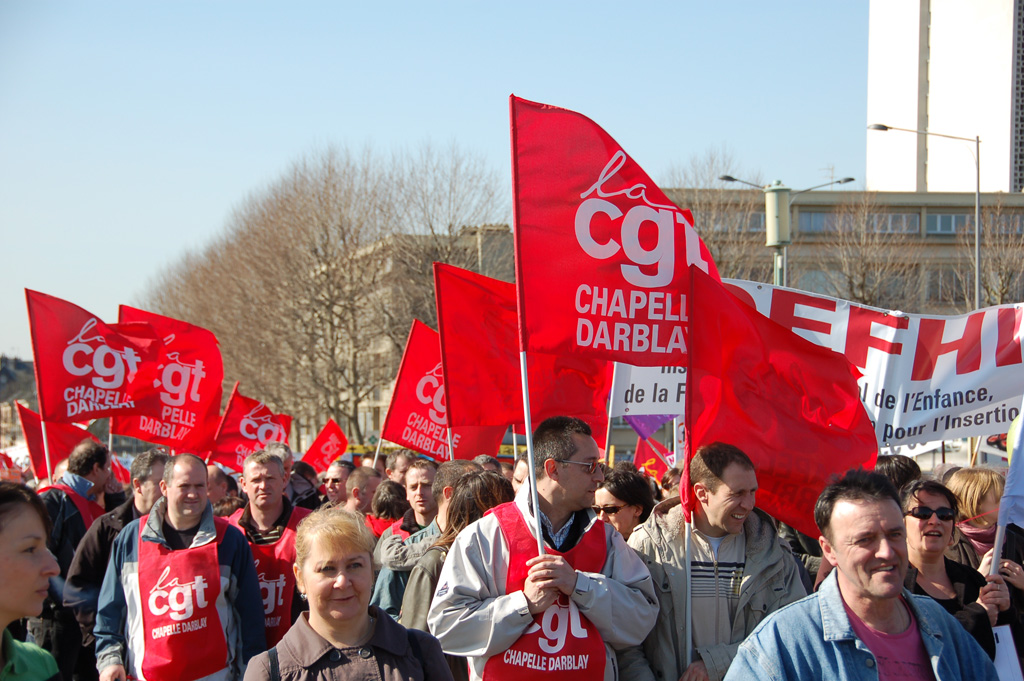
x: 404, y: 569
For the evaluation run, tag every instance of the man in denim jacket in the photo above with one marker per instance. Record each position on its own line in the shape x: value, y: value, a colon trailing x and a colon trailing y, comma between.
x: 862, y: 623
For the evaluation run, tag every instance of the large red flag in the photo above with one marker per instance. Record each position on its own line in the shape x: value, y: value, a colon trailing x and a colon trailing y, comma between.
x: 121, y: 474
x: 63, y: 437
x: 616, y: 285
x: 84, y: 368
x: 184, y: 410
x: 479, y: 350
x: 417, y: 417
x: 793, y: 406
x: 651, y: 457
x: 247, y: 426
x: 328, y: 446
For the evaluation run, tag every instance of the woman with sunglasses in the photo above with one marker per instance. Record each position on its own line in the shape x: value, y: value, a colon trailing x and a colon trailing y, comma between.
x: 978, y: 602
x: 624, y: 499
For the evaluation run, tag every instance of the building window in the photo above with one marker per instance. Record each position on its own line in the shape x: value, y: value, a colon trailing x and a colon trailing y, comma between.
x: 945, y: 223
x: 895, y: 223
x: 944, y: 286
x: 816, y: 223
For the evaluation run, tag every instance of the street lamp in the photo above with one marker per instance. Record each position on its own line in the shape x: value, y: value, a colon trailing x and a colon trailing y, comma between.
x: 777, y: 220
x: 977, y: 196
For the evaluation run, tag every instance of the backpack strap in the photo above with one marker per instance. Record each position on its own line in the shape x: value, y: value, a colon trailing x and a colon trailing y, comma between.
x: 275, y: 666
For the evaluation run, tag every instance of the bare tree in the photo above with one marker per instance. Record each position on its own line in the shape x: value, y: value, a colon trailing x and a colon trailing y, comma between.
x: 312, y: 275
x: 448, y: 203
x: 1002, y: 255
x: 871, y: 257
x: 729, y: 221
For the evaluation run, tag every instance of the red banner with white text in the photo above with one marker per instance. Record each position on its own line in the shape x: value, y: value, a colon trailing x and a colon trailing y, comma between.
x: 601, y: 252
x: 479, y: 350
x: 328, y: 446
x: 184, y: 411
x: 86, y: 369
x: 246, y: 427
x: 417, y: 417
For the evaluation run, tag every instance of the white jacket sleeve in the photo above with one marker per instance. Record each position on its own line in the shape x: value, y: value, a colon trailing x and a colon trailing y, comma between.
x: 470, y: 613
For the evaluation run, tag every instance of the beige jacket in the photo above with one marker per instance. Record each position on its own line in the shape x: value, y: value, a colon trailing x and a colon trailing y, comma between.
x: 770, y: 581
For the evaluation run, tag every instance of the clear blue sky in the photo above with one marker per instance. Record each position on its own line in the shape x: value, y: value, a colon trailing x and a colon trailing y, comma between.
x: 129, y: 130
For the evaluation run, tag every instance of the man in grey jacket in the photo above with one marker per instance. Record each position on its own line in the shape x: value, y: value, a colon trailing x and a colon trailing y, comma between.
x: 740, y: 572
x: 513, y: 612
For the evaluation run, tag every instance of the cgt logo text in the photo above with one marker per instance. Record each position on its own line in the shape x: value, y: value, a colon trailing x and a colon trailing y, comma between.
x: 663, y: 218
x: 430, y: 392
x: 175, y: 599
x: 272, y: 591
x: 108, y: 367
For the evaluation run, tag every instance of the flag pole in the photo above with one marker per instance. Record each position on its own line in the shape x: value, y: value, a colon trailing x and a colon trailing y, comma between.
x: 46, y: 452
x: 611, y: 403
x: 451, y: 447
x: 515, y: 446
x: 376, y: 456
x: 529, y: 450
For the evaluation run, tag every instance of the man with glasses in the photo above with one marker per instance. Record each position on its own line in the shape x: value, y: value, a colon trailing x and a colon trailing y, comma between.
x: 740, y: 571
x: 334, y: 482
x: 512, y: 612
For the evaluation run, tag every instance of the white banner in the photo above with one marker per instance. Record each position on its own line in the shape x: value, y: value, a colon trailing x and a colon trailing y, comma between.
x: 926, y: 377
x: 642, y: 391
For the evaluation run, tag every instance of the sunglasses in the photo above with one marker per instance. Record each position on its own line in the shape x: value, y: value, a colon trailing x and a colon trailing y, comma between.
x: 945, y: 513
x: 608, y: 510
x: 591, y: 467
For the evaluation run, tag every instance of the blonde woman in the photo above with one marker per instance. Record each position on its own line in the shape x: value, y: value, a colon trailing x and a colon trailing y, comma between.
x: 343, y: 638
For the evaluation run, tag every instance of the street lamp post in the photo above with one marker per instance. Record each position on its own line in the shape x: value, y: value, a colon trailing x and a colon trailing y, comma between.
x: 777, y: 221
x: 977, y: 196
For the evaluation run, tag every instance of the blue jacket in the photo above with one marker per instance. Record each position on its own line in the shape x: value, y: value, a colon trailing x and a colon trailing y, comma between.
x: 119, y: 633
x: 813, y: 639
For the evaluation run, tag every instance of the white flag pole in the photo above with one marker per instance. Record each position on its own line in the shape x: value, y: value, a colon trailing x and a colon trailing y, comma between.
x: 376, y: 456
x: 529, y: 450
x: 451, y: 447
x: 689, y: 599
x: 611, y: 404
x: 515, y: 446
x: 46, y: 453
x: 1009, y: 505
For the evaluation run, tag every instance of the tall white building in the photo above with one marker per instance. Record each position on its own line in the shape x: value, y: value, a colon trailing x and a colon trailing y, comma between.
x: 946, y: 66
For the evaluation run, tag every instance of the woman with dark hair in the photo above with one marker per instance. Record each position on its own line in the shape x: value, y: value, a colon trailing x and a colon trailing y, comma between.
x: 389, y: 504
x: 473, y: 495
x: 623, y: 500
x: 979, y: 603
x: 25, y: 570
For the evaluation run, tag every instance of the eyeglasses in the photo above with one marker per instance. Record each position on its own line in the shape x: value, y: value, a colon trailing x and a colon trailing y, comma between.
x: 332, y: 481
x: 591, y: 467
x: 944, y: 513
x: 608, y: 510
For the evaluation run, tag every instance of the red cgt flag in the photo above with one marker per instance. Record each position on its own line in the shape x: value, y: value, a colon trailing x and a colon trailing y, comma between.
x: 184, y: 409
x: 651, y: 457
x: 328, y: 446
x: 483, y: 385
x: 84, y: 368
x: 618, y: 290
x: 246, y: 427
x: 417, y: 417
x: 794, y: 407
x: 63, y: 437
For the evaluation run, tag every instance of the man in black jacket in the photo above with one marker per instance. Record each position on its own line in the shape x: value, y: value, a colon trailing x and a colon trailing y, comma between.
x: 85, y: 576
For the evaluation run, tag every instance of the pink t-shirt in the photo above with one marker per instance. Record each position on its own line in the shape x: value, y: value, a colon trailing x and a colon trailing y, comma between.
x: 901, y: 657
